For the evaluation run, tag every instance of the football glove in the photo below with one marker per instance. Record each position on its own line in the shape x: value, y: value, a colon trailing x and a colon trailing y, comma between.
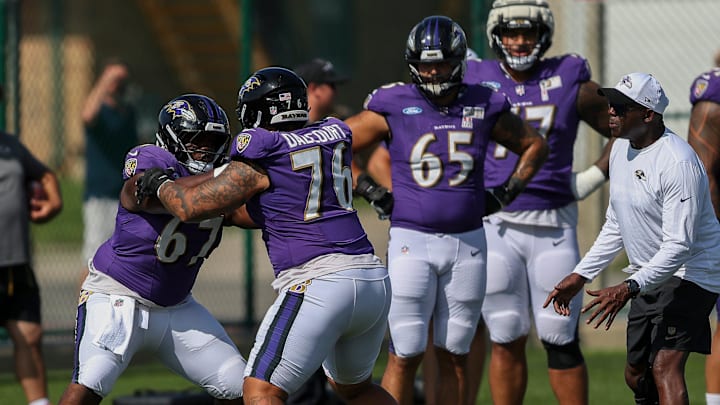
x: 496, y: 199
x: 150, y: 182
x: 379, y: 197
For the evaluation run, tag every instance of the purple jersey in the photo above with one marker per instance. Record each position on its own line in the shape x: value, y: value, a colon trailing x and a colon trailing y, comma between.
x: 156, y: 255
x: 706, y: 87
x: 547, y: 100
x: 437, y: 155
x: 307, y: 211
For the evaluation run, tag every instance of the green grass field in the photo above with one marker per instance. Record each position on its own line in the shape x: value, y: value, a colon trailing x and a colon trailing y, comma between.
x: 607, y: 385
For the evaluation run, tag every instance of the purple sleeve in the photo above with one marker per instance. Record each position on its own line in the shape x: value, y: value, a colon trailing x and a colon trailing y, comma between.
x: 706, y: 87
x: 251, y: 144
x: 143, y: 157
x: 383, y: 104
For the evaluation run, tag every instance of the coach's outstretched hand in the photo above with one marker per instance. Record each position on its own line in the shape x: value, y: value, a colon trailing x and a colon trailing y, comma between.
x: 150, y: 181
x: 563, y: 293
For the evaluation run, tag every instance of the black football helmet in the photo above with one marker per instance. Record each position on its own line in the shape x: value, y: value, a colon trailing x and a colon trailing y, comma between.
x: 437, y: 39
x: 507, y: 15
x: 194, y: 124
x: 273, y: 97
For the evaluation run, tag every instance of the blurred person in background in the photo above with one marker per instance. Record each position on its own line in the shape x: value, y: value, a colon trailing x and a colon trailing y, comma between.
x: 333, y: 292
x: 110, y: 126
x: 138, y: 293
x: 532, y: 243
x: 704, y: 137
x: 30, y: 193
x: 437, y: 130
x: 661, y: 214
x: 321, y: 79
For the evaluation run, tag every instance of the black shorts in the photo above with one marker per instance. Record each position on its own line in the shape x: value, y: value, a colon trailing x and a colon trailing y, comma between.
x: 674, y: 316
x: 19, y: 294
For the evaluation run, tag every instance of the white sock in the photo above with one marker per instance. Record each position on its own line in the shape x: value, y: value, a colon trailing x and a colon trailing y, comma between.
x: 712, y: 398
x: 41, y: 401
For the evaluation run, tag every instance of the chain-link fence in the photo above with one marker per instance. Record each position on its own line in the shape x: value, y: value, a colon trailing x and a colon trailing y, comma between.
x: 186, y: 45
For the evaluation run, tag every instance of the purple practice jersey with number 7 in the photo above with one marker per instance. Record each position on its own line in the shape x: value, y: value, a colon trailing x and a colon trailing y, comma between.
x: 547, y: 101
x: 307, y: 211
x: 156, y: 255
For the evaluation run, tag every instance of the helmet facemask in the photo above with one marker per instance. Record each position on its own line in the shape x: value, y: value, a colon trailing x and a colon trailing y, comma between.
x: 507, y: 15
x: 210, y: 147
x: 195, y: 130
x: 524, y: 62
x: 439, y: 85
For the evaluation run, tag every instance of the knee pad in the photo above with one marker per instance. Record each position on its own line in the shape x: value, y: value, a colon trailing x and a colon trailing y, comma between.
x: 228, y: 385
x: 563, y: 357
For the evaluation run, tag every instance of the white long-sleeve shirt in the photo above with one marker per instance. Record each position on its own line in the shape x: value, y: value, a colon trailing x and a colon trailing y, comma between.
x: 661, y: 213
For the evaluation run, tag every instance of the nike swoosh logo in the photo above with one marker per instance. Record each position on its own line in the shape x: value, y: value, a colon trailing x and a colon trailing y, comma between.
x: 685, y: 199
x: 557, y: 242
x: 133, y: 153
x: 474, y: 253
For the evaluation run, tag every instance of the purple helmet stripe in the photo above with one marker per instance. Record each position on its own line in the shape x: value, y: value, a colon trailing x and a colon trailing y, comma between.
x: 211, y: 109
x: 272, y: 348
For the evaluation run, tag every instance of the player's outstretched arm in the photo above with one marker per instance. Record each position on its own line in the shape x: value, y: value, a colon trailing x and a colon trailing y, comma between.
x: 129, y: 194
x: 232, y: 187
x: 368, y: 128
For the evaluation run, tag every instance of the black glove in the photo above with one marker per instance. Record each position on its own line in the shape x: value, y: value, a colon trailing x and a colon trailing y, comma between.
x: 150, y: 181
x: 378, y: 196
x: 496, y: 199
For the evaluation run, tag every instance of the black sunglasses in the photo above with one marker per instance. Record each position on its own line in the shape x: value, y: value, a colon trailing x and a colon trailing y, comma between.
x: 622, y: 109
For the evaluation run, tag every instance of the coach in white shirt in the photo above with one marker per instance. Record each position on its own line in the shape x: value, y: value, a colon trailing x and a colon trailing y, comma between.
x: 660, y: 212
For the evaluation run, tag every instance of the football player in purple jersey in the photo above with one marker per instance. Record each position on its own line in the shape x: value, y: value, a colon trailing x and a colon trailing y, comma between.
x: 704, y: 137
x: 138, y: 291
x: 437, y: 130
x: 532, y: 243
x: 296, y: 182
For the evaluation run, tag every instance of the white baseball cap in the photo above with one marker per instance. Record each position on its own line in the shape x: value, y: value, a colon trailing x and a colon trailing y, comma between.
x: 640, y: 88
